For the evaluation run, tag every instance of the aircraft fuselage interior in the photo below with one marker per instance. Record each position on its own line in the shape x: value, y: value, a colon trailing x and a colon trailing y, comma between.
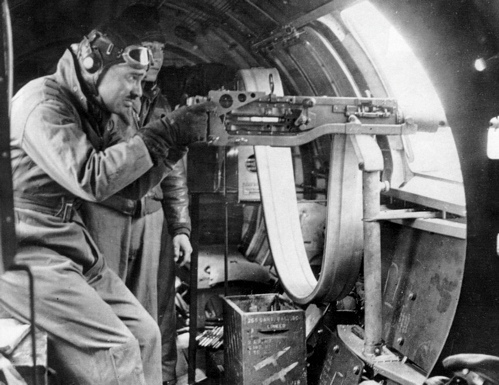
x: 344, y: 200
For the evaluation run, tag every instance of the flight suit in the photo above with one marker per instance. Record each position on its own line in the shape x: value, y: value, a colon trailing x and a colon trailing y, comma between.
x: 98, y: 331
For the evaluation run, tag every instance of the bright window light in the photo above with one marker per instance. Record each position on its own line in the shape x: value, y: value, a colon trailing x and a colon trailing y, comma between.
x: 435, y: 154
x: 493, y: 139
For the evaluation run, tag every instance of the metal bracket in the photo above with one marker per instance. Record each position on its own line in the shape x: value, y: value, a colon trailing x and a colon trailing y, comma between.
x: 387, y: 215
x: 283, y: 35
x: 388, y: 364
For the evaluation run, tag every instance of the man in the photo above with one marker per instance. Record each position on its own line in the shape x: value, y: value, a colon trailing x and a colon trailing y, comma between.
x: 65, y: 149
x: 130, y: 233
x: 176, y: 208
x: 173, y: 190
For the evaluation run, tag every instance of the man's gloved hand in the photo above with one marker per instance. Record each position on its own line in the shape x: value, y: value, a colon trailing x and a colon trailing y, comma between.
x: 189, y: 124
x: 174, y: 131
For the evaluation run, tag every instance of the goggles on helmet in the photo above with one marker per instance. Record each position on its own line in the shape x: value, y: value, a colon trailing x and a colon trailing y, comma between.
x: 137, y: 57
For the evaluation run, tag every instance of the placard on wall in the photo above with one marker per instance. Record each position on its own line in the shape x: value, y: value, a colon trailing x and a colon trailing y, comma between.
x: 248, y: 187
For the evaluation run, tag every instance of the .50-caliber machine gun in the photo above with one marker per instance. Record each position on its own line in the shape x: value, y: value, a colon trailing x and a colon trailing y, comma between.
x: 256, y: 118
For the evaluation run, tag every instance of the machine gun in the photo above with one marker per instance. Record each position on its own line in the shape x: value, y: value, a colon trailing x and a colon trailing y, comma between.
x: 257, y: 118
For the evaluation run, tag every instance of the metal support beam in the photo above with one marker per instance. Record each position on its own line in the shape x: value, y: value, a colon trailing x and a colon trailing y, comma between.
x: 372, y: 264
x: 193, y: 287
x: 8, y: 242
x: 371, y: 161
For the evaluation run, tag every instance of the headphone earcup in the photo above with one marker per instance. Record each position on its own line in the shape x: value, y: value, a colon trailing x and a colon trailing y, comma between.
x: 91, y: 63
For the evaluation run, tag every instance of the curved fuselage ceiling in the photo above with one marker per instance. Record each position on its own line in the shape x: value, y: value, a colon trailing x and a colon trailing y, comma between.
x: 320, y: 58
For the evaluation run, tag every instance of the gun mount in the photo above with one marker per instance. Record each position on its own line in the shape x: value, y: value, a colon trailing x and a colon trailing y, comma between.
x: 270, y: 122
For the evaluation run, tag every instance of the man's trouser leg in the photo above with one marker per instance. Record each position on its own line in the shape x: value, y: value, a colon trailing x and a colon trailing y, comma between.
x: 143, y: 260
x: 131, y: 247
x: 167, y: 316
x: 111, y: 231
x: 98, y: 331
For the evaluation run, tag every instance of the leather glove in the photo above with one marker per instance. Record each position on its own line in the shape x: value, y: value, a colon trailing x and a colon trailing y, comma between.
x: 167, y: 138
x: 189, y: 124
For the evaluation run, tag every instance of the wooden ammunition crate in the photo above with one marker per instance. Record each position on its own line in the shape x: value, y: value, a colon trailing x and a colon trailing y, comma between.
x: 264, y: 341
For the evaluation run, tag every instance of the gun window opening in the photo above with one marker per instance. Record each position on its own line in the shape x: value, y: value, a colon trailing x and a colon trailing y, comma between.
x: 435, y: 154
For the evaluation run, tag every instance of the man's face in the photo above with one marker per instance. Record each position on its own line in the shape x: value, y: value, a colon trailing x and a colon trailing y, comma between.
x: 157, y: 49
x: 119, y: 87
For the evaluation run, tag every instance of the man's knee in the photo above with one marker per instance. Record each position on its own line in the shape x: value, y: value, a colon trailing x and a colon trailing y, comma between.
x: 120, y: 364
x: 147, y: 331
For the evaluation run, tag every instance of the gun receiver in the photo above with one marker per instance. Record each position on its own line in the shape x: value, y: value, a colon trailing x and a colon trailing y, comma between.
x: 256, y: 118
